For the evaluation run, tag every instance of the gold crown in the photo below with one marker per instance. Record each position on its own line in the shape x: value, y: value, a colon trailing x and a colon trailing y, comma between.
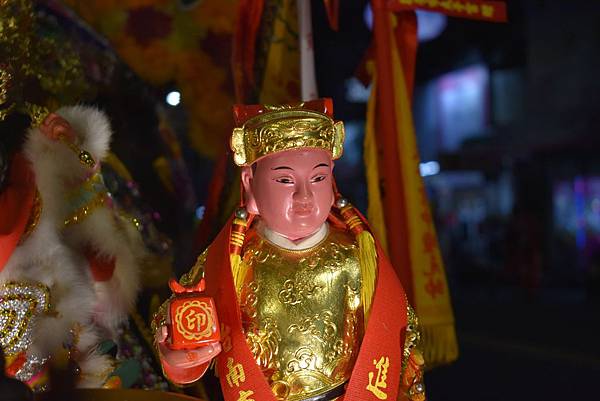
x: 285, y: 129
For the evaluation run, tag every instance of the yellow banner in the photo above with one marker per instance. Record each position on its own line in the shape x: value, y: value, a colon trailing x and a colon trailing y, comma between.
x: 493, y: 11
x: 281, y: 76
x: 429, y: 285
x: 432, y: 297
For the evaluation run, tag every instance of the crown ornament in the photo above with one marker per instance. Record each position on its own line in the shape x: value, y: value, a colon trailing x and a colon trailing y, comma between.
x: 271, y: 129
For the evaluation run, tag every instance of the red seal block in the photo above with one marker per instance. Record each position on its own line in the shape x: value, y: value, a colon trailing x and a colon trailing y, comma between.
x: 194, y: 320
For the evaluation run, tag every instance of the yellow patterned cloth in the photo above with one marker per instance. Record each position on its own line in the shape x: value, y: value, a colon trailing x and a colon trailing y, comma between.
x: 302, y: 313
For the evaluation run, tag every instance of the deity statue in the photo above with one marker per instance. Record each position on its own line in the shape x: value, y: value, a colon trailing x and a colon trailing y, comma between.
x: 308, y: 305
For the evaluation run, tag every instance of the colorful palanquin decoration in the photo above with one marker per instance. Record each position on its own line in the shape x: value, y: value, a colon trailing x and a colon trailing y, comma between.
x: 69, y: 260
x: 291, y: 345
x: 37, y: 73
x: 68, y: 255
x: 181, y: 43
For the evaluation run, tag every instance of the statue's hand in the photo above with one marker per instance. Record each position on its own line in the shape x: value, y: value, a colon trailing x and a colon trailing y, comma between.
x: 184, y: 359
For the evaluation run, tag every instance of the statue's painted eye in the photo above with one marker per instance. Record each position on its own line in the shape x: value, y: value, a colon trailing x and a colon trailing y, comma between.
x: 318, y: 178
x: 285, y: 180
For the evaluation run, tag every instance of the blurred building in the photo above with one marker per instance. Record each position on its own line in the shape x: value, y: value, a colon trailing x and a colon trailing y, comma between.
x: 507, y: 113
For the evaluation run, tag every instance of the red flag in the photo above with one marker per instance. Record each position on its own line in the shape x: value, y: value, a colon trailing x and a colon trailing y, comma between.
x: 398, y: 205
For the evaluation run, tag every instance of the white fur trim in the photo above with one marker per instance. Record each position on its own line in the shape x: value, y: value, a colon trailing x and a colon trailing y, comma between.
x: 55, y: 258
x: 95, y: 367
x: 92, y: 127
x: 107, y: 234
x: 54, y: 164
x: 104, y: 230
x: 43, y: 259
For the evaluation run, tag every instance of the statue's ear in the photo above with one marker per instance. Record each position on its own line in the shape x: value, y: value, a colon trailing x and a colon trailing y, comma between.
x: 247, y: 175
x: 56, y: 127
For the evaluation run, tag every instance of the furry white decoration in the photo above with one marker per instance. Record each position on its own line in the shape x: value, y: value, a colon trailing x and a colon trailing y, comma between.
x: 54, y: 254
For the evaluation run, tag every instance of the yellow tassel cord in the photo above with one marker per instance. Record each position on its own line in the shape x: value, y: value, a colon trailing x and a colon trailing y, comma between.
x: 439, y: 345
x: 117, y: 165
x: 238, y: 270
x: 367, y: 256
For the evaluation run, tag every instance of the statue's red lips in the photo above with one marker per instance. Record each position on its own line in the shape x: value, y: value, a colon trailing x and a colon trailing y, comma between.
x: 302, y: 212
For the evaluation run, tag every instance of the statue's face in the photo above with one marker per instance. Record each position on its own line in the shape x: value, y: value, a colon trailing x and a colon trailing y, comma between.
x: 292, y: 191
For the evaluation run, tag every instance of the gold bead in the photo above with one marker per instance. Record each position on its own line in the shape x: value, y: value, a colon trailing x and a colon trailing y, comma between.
x: 86, y: 158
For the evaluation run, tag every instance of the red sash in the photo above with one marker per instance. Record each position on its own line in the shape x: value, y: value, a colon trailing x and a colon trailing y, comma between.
x: 16, y: 201
x: 376, y: 374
